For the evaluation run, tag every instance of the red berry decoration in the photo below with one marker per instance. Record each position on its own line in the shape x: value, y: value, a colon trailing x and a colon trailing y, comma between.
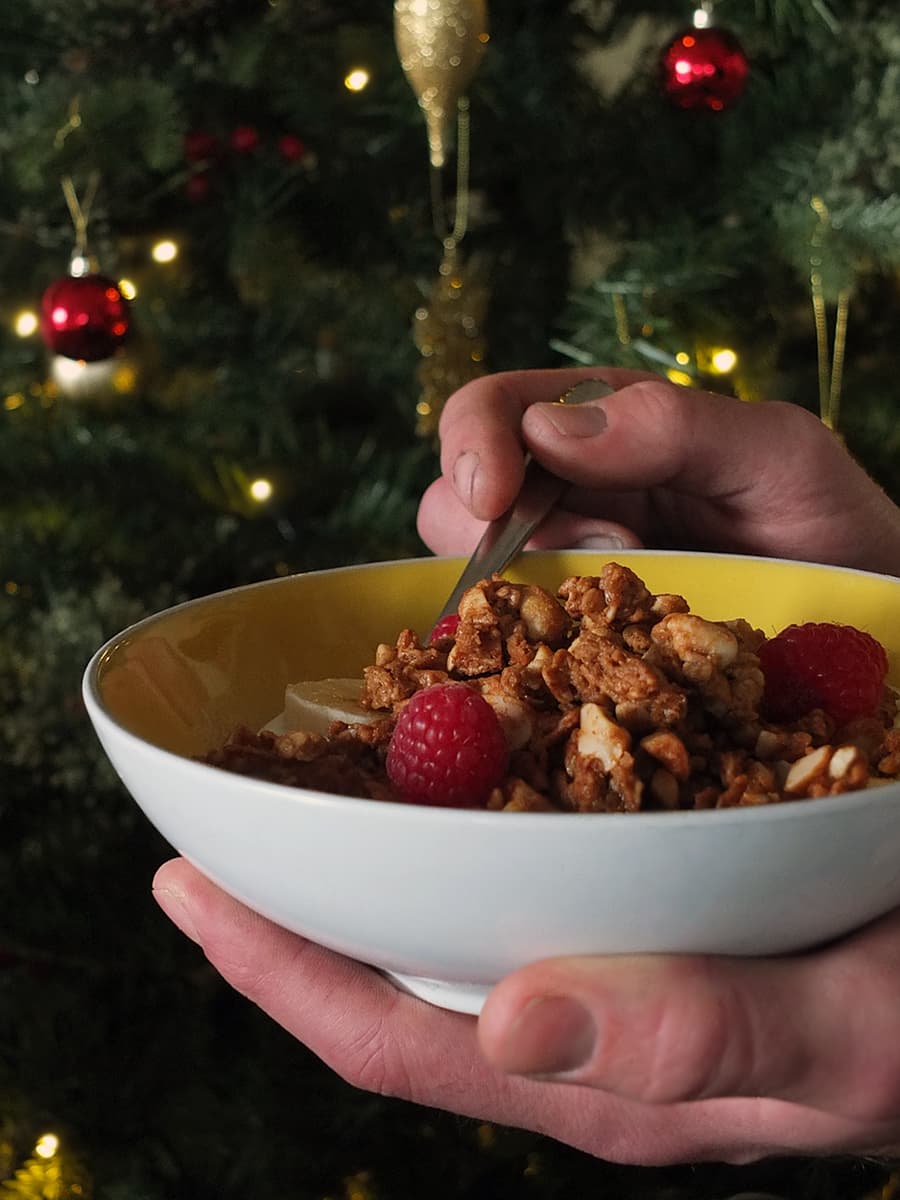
x: 448, y: 748
x: 833, y: 667
x: 446, y: 627
x: 84, y: 317
x: 704, y: 68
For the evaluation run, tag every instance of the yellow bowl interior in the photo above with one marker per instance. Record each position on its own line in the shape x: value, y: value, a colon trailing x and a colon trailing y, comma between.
x: 183, y: 679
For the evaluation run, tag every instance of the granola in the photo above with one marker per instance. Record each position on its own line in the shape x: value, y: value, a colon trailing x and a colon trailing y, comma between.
x: 612, y: 699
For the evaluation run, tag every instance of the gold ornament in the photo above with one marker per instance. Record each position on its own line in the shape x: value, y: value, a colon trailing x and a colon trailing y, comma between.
x: 447, y: 332
x: 830, y: 358
x: 440, y: 44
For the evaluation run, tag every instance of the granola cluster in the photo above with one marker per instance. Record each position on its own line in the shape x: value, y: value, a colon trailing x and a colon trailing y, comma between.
x: 612, y: 699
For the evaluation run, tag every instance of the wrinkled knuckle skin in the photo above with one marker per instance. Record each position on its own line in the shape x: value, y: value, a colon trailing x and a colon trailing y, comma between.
x: 371, y: 1061
x: 245, y: 976
x: 669, y: 397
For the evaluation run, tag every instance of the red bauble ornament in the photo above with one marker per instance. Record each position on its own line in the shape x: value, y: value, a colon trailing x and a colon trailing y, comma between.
x: 704, y: 68
x: 84, y: 317
x: 200, y: 146
x: 244, y: 139
x: 291, y: 148
x: 198, y: 187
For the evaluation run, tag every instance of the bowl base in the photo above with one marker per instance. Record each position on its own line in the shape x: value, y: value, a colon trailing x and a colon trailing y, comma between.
x: 443, y: 993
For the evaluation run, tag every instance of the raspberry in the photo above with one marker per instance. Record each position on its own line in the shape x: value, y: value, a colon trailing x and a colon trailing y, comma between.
x: 833, y: 667
x: 448, y: 748
x: 446, y: 627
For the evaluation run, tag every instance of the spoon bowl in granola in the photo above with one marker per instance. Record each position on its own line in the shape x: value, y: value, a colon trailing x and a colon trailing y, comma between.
x: 650, y: 796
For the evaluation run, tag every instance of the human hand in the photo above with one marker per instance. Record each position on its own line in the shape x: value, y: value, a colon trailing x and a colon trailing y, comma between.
x: 657, y: 465
x: 641, y: 1060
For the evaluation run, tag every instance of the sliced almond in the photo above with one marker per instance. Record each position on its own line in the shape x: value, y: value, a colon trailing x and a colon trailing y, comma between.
x: 806, y: 770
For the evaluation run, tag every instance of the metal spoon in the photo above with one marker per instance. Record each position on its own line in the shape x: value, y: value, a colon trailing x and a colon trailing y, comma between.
x: 504, y: 537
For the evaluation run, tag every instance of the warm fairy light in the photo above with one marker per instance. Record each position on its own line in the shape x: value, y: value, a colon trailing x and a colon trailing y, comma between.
x: 164, y: 251
x: 681, y: 377
x: 124, y: 380
x: 701, y: 18
x: 25, y: 323
x: 16, y: 400
x: 682, y: 358
x: 261, y: 490
x: 423, y: 408
x: 356, y: 80
x: 723, y: 360
x: 46, y: 1145
x: 127, y: 288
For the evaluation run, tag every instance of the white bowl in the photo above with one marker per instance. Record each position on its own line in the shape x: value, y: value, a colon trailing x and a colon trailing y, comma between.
x: 446, y: 902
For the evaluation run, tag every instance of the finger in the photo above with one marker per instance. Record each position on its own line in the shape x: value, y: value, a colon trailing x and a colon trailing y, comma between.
x: 821, y: 1029
x: 375, y: 1036
x: 447, y: 527
x: 761, y: 478
x: 481, y: 444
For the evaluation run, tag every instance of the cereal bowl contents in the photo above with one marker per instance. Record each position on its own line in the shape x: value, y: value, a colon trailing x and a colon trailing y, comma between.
x: 601, y: 698
x: 640, y: 791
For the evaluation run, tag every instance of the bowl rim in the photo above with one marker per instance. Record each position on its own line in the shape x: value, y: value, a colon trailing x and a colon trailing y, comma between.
x: 784, y: 810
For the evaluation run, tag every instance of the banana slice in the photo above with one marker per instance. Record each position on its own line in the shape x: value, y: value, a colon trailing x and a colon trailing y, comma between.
x: 314, y: 703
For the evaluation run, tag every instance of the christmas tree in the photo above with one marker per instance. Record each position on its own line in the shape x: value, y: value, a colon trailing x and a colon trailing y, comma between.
x: 244, y: 260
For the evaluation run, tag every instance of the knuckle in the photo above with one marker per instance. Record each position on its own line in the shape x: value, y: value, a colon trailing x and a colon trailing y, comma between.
x: 371, y: 1061
x: 701, y: 1040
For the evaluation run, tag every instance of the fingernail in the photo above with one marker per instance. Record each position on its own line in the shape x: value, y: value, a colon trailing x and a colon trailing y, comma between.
x: 464, y: 471
x: 551, y: 1036
x: 173, y: 904
x: 579, y: 421
x: 600, y: 541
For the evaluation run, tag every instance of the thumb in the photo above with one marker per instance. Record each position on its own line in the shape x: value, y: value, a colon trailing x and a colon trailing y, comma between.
x: 656, y: 1029
x: 754, y: 478
x: 651, y: 433
x: 819, y: 1029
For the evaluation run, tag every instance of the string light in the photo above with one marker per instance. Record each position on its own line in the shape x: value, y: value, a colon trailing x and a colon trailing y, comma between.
x: 682, y: 358
x: 25, y: 323
x: 47, y: 1145
x: 356, y: 80
x: 127, y: 288
x: 124, y: 380
x: 681, y: 377
x: 723, y: 360
x: 164, y: 251
x: 261, y: 490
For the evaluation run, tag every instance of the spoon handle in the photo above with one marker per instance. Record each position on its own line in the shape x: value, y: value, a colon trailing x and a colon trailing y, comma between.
x: 504, y: 537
